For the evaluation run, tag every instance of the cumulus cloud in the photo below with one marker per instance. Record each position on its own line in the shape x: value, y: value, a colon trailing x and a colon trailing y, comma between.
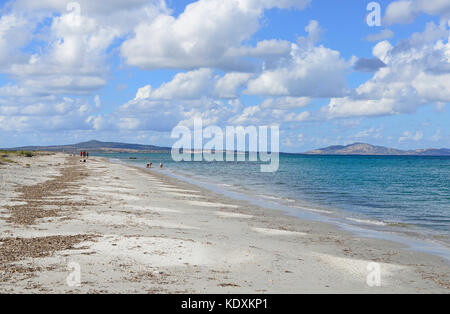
x: 310, y: 71
x: 408, y: 80
x: 265, y: 48
x: 209, y: 33
x: 164, y: 115
x: 405, y: 11
x: 56, y: 64
x: 190, y: 85
x: 71, y: 41
x: 50, y: 50
x: 51, y: 115
x: 269, y: 113
x: 15, y: 31
x: 196, y: 84
x: 70, y: 51
x: 228, y: 85
x: 72, y: 63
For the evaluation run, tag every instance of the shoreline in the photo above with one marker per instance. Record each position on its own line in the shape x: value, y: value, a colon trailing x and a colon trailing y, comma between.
x: 143, y: 232
x: 412, y: 238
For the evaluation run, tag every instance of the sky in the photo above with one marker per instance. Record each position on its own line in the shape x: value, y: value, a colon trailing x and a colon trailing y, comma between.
x: 325, y: 72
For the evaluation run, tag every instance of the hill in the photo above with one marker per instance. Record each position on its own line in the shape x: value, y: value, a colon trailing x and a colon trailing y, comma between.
x: 367, y: 149
x: 97, y: 146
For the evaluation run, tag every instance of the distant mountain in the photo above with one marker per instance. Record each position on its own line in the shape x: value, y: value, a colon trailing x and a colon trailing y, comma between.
x: 367, y: 149
x: 97, y: 146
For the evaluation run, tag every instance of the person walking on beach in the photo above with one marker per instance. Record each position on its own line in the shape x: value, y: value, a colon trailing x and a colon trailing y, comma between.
x: 160, y: 165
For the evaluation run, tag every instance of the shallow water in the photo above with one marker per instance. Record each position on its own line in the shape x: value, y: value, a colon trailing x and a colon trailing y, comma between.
x: 385, y: 192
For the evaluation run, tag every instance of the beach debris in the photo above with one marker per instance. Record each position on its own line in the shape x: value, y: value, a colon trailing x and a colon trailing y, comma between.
x: 17, y: 249
x: 224, y: 285
x: 34, y: 198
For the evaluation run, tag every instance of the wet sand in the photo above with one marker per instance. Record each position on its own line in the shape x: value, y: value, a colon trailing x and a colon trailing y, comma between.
x: 136, y: 231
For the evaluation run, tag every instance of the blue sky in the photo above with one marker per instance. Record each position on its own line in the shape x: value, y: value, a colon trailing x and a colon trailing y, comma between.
x: 133, y: 70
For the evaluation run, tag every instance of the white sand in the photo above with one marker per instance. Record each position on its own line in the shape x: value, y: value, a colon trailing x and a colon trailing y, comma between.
x: 187, y: 195
x: 177, y: 190
x: 153, y: 238
x: 233, y: 215
x: 211, y: 204
x: 276, y: 232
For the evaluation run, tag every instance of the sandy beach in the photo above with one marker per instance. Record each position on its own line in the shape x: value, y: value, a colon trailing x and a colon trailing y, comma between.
x: 131, y: 230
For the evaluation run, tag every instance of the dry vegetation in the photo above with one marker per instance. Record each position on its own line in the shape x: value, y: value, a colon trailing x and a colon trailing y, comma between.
x: 37, y: 196
x: 9, y: 156
x: 16, y: 249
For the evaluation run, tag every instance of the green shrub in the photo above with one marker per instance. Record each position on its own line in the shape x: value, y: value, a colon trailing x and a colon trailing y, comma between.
x: 25, y: 153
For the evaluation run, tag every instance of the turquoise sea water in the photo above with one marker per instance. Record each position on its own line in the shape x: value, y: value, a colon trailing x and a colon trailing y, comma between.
x: 410, y: 194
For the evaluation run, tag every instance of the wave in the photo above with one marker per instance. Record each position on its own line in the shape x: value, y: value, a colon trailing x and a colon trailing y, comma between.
x: 315, y: 210
x: 368, y: 221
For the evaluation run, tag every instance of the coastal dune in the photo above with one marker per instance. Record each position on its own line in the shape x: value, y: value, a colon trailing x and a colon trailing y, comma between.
x: 131, y: 230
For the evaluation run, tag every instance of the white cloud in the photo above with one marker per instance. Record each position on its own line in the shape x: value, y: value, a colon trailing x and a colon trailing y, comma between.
x: 384, y: 34
x: 209, y: 33
x: 405, y: 11
x: 399, y: 12
x: 409, y: 136
x: 374, y: 133
x: 196, y: 84
x: 70, y: 56
x: 265, y: 48
x: 228, y: 85
x: 71, y: 64
x: 14, y: 33
x: 297, y: 117
x: 311, y: 71
x: 189, y: 85
x: 286, y: 103
x: 68, y: 114
x: 314, y: 32
x: 268, y: 114
x: 315, y: 72
x: 416, y: 74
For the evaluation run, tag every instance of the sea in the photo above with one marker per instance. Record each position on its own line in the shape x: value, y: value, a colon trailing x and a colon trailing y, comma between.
x: 401, y: 198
